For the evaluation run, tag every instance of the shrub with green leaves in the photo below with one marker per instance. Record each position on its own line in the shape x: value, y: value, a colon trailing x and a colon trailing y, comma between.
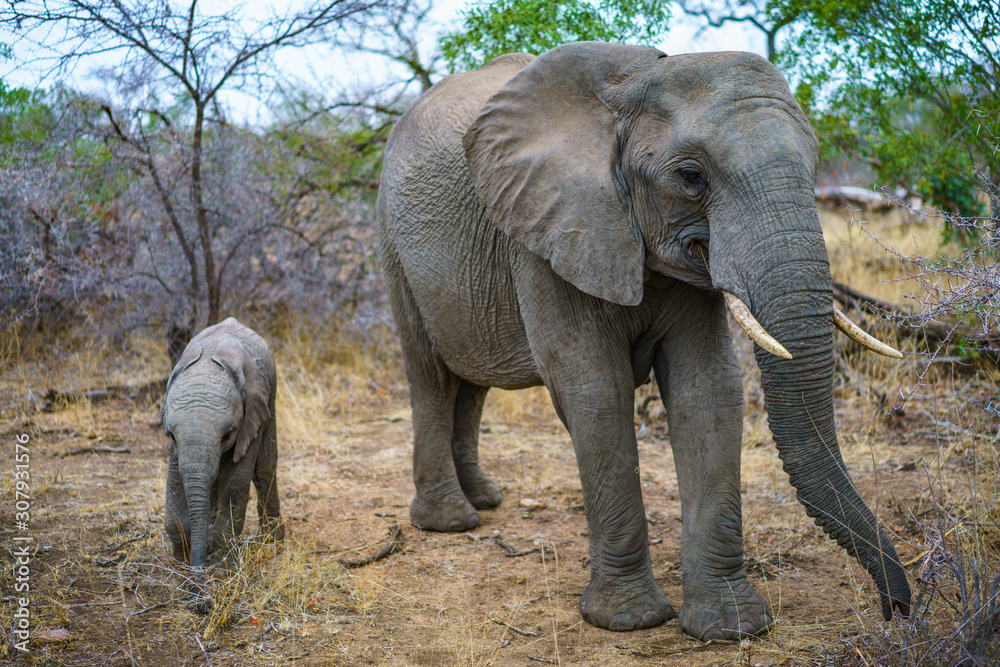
x: 535, y: 26
x: 911, y: 87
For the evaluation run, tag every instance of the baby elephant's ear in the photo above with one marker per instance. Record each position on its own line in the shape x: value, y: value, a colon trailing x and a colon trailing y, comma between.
x: 231, y: 355
x: 192, y: 353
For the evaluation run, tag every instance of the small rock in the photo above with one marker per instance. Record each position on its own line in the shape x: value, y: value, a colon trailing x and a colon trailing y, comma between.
x: 531, y: 504
x: 49, y: 636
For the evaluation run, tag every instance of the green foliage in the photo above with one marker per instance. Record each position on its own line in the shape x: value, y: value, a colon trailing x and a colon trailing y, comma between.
x: 342, y: 157
x: 912, y: 87
x: 535, y: 26
x: 24, y: 117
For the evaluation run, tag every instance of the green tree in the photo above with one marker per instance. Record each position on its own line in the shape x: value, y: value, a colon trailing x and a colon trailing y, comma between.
x: 535, y: 26
x: 911, y: 87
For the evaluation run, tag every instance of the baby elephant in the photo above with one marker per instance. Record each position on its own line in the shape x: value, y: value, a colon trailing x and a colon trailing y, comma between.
x: 218, y: 413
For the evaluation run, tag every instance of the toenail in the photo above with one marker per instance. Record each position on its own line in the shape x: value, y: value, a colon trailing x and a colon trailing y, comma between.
x: 621, y: 621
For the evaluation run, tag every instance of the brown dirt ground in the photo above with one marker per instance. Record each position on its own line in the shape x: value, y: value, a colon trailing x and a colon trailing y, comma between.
x: 100, y: 567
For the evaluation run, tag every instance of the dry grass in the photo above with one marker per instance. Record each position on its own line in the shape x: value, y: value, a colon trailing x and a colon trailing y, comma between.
x: 929, y: 470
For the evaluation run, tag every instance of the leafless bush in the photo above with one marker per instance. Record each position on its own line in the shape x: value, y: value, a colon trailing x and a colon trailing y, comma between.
x: 61, y: 243
x: 955, y: 617
x: 965, y: 289
x: 955, y: 297
x: 165, y: 213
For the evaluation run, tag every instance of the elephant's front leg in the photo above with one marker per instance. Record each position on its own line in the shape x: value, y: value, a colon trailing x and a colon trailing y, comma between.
x: 584, y: 359
x: 597, y: 410
x: 265, y: 480
x: 177, y: 520
x: 232, y: 494
x: 700, y: 381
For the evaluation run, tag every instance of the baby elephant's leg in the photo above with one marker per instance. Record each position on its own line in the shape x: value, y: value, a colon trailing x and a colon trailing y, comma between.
x: 265, y: 480
x: 176, y: 518
x: 233, y: 493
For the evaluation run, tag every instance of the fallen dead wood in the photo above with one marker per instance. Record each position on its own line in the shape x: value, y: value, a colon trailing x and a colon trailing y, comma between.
x: 118, y: 546
x: 523, y: 633
x: 394, y: 544
x: 933, y: 334
x: 856, y: 197
x: 102, y: 449
x: 527, y: 552
x: 110, y: 561
x: 54, y: 398
x: 651, y: 651
x: 504, y: 546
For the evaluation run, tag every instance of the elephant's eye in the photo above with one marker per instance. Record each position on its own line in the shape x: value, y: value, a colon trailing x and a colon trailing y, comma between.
x: 693, y: 176
x: 227, y: 437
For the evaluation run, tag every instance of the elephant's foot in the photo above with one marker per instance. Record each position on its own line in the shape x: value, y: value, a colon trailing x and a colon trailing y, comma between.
x: 451, y: 514
x: 181, y: 553
x: 224, y: 561
x: 480, y: 490
x: 273, y: 530
x: 623, y: 606
x: 198, y: 598
x: 732, y: 612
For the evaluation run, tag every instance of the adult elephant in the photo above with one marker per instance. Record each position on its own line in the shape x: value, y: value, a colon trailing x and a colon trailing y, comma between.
x: 581, y: 218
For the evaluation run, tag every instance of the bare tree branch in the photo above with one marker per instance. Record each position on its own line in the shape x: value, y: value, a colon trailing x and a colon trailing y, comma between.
x: 758, y: 13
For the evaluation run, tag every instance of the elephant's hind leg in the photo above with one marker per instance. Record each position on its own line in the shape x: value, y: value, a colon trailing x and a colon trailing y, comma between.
x: 439, y: 503
x: 481, y: 491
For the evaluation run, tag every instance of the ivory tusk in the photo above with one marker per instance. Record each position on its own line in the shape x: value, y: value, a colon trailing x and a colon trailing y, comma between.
x: 753, y: 328
x: 862, y: 337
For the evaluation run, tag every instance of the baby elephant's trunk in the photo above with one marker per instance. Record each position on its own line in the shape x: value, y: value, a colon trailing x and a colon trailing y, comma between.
x: 198, y: 491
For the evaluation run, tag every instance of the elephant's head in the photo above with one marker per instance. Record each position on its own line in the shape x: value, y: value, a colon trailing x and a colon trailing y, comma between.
x: 611, y: 161
x: 213, y: 408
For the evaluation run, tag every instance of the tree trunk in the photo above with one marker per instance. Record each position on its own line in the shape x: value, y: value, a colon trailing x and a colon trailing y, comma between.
x: 201, y: 214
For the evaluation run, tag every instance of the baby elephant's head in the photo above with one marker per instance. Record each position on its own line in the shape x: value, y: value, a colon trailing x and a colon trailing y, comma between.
x: 205, y: 405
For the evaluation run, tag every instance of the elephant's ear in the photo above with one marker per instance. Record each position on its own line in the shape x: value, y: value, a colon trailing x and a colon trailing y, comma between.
x: 231, y: 355
x: 543, y: 156
x: 189, y: 357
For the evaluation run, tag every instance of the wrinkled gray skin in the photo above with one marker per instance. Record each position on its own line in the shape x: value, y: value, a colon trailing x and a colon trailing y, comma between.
x: 545, y: 221
x: 218, y: 413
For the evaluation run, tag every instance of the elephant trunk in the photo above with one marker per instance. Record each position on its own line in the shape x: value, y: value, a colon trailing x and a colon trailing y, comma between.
x: 198, y: 478
x: 791, y: 296
x: 197, y: 489
x: 798, y: 396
